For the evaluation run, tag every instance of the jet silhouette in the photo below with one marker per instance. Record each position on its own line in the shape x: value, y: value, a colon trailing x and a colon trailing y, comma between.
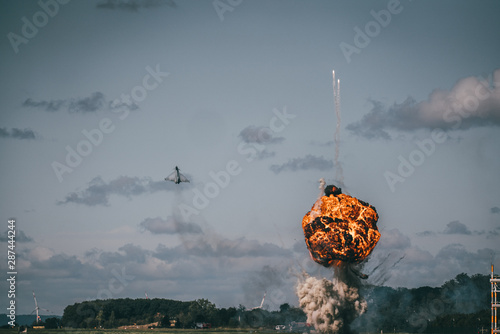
x: 176, y: 177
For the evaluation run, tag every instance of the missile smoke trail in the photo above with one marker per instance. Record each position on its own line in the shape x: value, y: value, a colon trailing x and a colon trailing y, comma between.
x: 339, y: 175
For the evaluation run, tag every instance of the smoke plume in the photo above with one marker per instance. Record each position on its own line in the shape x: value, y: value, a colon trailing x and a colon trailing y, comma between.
x: 331, y: 306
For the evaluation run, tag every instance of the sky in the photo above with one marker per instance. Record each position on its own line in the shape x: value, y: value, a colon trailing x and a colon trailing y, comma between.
x: 100, y: 100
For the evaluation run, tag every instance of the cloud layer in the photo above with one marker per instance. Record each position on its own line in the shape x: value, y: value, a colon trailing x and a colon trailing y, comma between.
x: 98, y: 191
x: 457, y: 228
x: 90, y: 104
x: 396, y: 262
x: 305, y: 163
x: 202, y: 266
x: 134, y: 5
x: 472, y: 102
x: 259, y: 135
x: 16, y: 133
x: 19, y: 237
x: 171, y: 225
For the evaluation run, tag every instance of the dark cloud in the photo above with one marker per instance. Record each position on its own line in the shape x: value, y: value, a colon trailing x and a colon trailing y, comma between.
x: 265, y: 154
x: 407, y: 265
x: 495, y: 209
x: 134, y: 5
x: 171, y: 225
x: 306, y: 163
x: 53, y: 105
x: 456, y: 227
x: 98, y: 191
x: 120, y: 104
x: 185, y: 271
x: 18, y: 133
x: 426, y: 233
x: 217, y: 246
x: 259, y: 135
x: 472, y: 102
x: 128, y: 253
x: 90, y: 104
x: 19, y: 237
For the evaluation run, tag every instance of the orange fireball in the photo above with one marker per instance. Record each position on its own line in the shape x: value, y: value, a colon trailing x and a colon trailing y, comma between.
x: 340, y: 229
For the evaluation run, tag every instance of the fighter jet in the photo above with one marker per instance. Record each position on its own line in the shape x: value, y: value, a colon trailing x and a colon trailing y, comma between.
x: 176, y: 177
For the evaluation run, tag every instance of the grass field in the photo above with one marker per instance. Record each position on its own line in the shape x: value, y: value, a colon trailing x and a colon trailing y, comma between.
x: 155, y: 331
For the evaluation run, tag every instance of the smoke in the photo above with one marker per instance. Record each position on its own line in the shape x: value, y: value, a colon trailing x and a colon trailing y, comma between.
x: 339, y: 175
x: 315, y: 211
x: 331, y: 306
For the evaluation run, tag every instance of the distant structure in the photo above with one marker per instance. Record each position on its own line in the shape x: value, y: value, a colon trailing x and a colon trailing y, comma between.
x: 494, y: 280
x: 37, y: 308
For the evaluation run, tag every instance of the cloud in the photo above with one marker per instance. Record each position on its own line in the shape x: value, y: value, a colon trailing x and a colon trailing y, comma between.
x: 495, y: 209
x: 456, y: 227
x: 171, y: 225
x: 98, y: 191
x: 472, y: 102
x: 16, y: 133
x: 208, y: 266
x: 19, y: 237
x: 215, y: 246
x: 51, y: 106
x: 259, y: 135
x: 408, y: 265
x: 426, y: 233
x: 128, y: 253
x: 134, y: 5
x: 306, y: 163
x: 90, y: 104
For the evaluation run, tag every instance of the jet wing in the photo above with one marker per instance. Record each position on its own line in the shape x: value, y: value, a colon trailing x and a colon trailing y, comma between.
x: 172, y: 177
x: 182, y: 178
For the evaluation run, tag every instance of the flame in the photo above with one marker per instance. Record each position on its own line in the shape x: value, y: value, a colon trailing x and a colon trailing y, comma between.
x: 340, y: 229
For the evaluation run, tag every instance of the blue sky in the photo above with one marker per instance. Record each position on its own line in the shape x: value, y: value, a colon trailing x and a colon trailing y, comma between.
x: 238, y: 94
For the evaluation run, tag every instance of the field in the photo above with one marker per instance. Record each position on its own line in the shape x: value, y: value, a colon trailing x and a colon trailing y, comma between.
x: 153, y: 331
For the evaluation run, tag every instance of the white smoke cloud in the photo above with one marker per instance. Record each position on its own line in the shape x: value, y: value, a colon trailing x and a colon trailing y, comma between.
x: 329, y: 305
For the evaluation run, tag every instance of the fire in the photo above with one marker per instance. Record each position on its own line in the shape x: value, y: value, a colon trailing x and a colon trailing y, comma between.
x: 340, y: 229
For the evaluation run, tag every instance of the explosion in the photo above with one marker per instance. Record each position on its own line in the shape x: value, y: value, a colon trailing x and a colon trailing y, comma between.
x: 339, y: 231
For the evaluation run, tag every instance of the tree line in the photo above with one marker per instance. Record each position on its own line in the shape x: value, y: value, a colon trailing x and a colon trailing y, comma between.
x: 113, y: 313
x: 460, y: 303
